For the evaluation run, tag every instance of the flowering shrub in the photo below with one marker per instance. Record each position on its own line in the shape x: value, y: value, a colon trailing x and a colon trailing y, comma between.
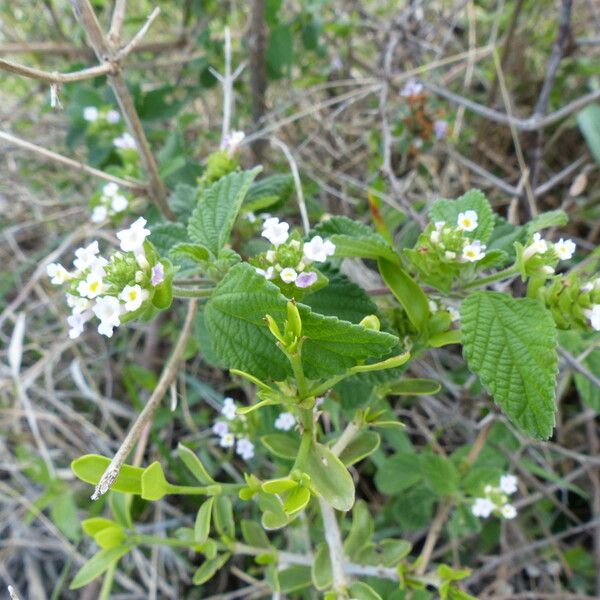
x: 277, y: 317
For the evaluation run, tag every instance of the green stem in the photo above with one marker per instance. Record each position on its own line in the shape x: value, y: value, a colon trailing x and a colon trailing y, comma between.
x: 211, y: 490
x: 296, y: 362
x: 327, y: 385
x: 151, y: 540
x: 179, y: 292
x: 508, y: 272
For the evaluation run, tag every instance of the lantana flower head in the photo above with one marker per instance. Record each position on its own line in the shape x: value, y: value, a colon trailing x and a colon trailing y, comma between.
x: 474, y: 251
x: 275, y: 231
x: 132, y: 239
x: 318, y: 249
x: 467, y: 221
x: 108, y: 310
x: 565, y: 249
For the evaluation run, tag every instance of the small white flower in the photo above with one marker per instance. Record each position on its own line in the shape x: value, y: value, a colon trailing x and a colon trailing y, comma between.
x: 564, y: 249
x: 537, y: 246
x: 220, y: 428
x: 108, y: 310
x: 318, y: 249
x: 593, y: 314
x: 125, y: 142
x: 508, y: 511
x: 90, y: 113
x: 227, y: 440
x: 110, y: 189
x: 288, y: 275
x: 439, y: 225
x: 85, y: 258
x: 231, y: 142
x: 132, y: 239
x: 587, y: 287
x: 474, y: 251
x: 113, y: 116
x: 229, y: 409
x: 508, y: 484
x: 482, y: 507
x: 133, y: 296
x: 433, y: 307
x: 77, y: 304
x: 450, y: 255
x: 250, y: 217
x: 270, y: 256
x: 77, y: 323
x: 119, y: 203
x: 99, y: 214
x: 274, y: 231
x: 266, y: 273
x: 57, y: 273
x: 92, y: 286
x: 435, y: 236
x: 467, y: 221
x: 295, y: 244
x: 454, y: 314
x: 245, y: 448
x: 488, y: 489
x: 285, y: 421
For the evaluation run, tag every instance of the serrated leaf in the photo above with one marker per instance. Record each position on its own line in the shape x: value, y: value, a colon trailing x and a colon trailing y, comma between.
x: 440, y: 473
x: 448, y: 211
x: 183, y: 200
x: 196, y: 252
x: 98, y: 564
x: 234, y: 317
x: 269, y: 192
x: 329, y: 477
x: 217, y: 209
x: 511, y: 344
x: 553, y: 218
x: 91, y: 467
x: 166, y: 235
x: 352, y: 238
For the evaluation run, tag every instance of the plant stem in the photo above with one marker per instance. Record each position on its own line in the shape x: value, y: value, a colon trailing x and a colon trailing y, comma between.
x: 334, y: 544
x: 508, y: 272
x: 179, y: 292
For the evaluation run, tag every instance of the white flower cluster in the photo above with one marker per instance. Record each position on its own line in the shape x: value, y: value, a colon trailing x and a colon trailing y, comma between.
x: 92, y: 114
x: 285, y: 421
x: 496, y: 499
x: 125, y: 142
x: 563, y: 249
x: 93, y: 295
x: 227, y: 438
x: 112, y: 202
x: 592, y: 313
x: 472, y: 250
x: 317, y: 250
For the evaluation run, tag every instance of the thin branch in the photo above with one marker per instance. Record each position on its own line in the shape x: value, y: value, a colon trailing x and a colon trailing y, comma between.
x: 335, y: 546
x: 32, y: 73
x: 130, y: 184
x: 116, y: 23
x: 137, y: 38
x: 167, y: 376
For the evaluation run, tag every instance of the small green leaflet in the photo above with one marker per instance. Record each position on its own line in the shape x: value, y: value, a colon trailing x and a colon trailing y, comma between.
x: 448, y: 211
x: 589, y: 124
x: 352, y: 238
x: 234, y: 318
x: 216, y: 211
x: 511, y: 344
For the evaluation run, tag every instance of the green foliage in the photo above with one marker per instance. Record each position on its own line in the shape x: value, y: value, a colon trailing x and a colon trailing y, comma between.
x: 91, y: 467
x: 589, y: 124
x: 98, y: 564
x: 511, y: 344
x: 269, y: 193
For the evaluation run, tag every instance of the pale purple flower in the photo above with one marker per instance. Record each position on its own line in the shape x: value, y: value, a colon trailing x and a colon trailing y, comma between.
x: 158, y: 274
x: 220, y: 428
x: 305, y: 280
x: 440, y: 129
x: 411, y: 88
x: 245, y: 448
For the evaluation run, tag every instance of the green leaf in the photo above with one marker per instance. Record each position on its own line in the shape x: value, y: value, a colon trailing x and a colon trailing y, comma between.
x: 362, y: 445
x: 352, y: 238
x: 110, y: 537
x: 361, y: 530
x: 281, y: 445
x: 511, y: 344
x: 194, y: 465
x: 440, y: 474
x: 254, y: 534
x: 393, y: 551
x: 279, y: 486
x: 98, y: 564
x: 398, y: 473
x: 269, y: 192
x: 413, y: 387
x: 280, y: 51
x: 341, y: 298
x: 407, y: 292
x: 166, y: 235
x: 223, y: 516
x: 296, y: 500
x: 448, y: 211
x: 553, y: 218
x: 234, y: 317
x: 362, y: 591
x: 321, y: 573
x: 183, y: 200
x: 329, y: 477
x: 294, y: 578
x: 91, y: 467
x: 196, y: 252
x: 95, y: 524
x: 217, y: 209
x: 589, y: 124
x: 154, y: 484
x: 202, y: 524
x: 274, y: 517
x: 208, y: 569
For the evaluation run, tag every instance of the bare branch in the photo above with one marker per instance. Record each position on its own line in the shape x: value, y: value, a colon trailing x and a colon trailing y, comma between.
x: 32, y: 73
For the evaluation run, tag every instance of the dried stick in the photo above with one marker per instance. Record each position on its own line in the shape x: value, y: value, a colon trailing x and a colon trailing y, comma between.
x: 334, y: 544
x: 167, y: 376
x: 89, y: 22
x: 32, y: 73
x: 133, y: 185
x: 257, y: 47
